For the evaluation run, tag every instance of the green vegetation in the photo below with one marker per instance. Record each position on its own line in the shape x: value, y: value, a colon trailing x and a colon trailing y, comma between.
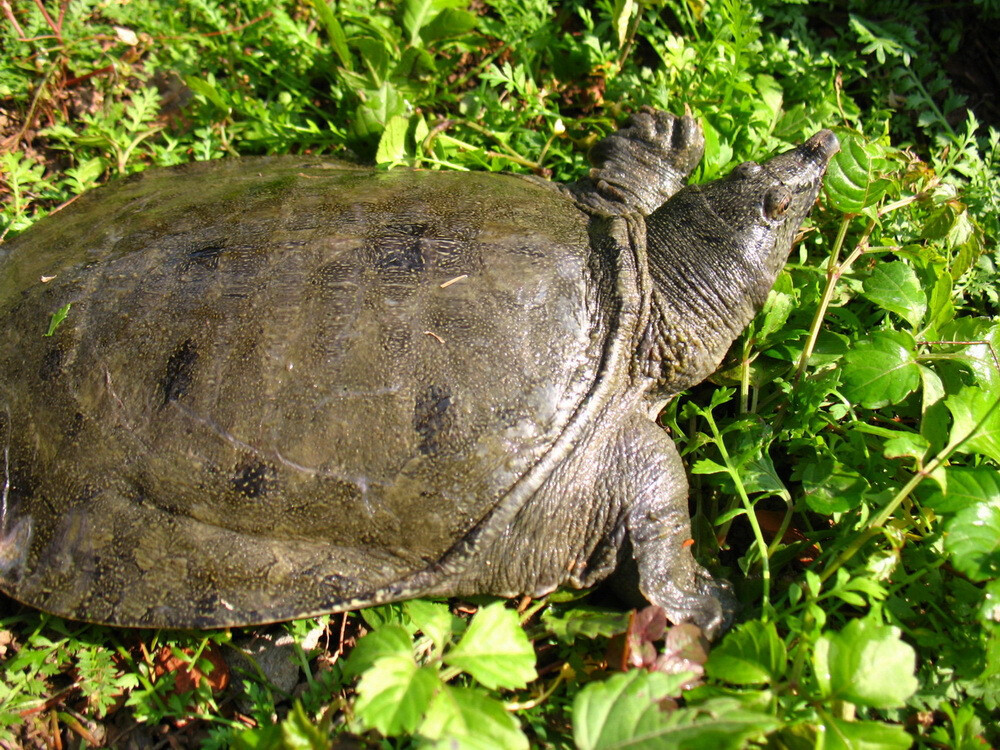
x: 846, y: 455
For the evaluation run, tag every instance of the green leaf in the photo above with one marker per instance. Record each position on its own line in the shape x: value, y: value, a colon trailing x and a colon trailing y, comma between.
x: 867, y: 664
x: 966, y: 487
x: 968, y: 408
x: 624, y: 712
x: 854, y: 178
x: 334, y: 32
x: 830, y: 487
x: 621, y: 15
x: 392, y: 144
x: 299, y: 732
x: 58, y: 317
x: 881, y: 370
x: 972, y: 538
x: 418, y: 13
x: 895, y: 287
x: 387, y: 640
x: 394, y: 694
x: 751, y: 654
x: 448, y: 24
x: 863, y: 735
x: 469, y: 718
x: 433, y: 619
x: 941, y: 310
x: 495, y: 649
x: 569, y: 623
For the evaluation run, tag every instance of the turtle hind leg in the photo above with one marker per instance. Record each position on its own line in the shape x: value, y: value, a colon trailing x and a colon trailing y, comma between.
x: 643, y: 164
x: 659, y: 531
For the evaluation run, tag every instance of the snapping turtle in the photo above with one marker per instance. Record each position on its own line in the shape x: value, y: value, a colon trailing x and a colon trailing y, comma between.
x: 287, y: 386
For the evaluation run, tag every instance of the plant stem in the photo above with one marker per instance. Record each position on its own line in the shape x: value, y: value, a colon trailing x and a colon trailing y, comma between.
x: 879, y: 520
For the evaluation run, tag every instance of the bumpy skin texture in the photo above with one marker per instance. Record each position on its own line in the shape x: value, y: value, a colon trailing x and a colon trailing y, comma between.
x: 268, y: 401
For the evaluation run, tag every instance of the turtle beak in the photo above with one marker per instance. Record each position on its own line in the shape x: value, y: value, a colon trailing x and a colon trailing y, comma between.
x: 819, y: 149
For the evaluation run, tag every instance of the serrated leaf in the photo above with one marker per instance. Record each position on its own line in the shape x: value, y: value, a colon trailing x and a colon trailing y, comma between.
x: 495, y: 649
x: 624, y: 712
x: 854, y: 178
x: 867, y: 664
x: 895, y: 287
x: 394, y: 694
x: 881, y: 370
x: 387, y: 640
x: 469, y: 718
x: 751, y: 654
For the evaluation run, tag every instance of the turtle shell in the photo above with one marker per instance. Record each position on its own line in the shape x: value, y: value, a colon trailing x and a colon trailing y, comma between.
x: 283, y: 386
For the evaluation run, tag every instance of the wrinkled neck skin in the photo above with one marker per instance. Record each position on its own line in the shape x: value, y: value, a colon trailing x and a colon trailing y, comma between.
x: 709, y: 278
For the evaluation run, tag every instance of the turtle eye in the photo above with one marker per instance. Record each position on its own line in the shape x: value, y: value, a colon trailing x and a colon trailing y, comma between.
x: 776, y: 202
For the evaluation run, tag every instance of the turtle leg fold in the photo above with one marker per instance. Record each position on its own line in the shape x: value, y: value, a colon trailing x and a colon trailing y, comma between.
x: 659, y: 529
x: 644, y: 163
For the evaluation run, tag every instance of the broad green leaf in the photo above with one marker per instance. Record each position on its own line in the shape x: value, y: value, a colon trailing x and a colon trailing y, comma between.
x: 751, y: 654
x: 839, y: 734
x: 387, y: 640
x: 966, y: 487
x: 624, y: 712
x: 392, y: 144
x: 418, y: 13
x: 830, y: 487
x: 867, y: 664
x: 469, y: 718
x: 334, y: 32
x: 970, y: 341
x: 372, y: 115
x: 895, y: 287
x: 495, y: 649
x: 394, y: 694
x: 433, y: 619
x: 906, y: 444
x: 972, y: 538
x: 449, y: 23
x: 968, y: 407
x: 854, y: 178
x: 941, y: 310
x: 934, y: 420
x: 881, y: 370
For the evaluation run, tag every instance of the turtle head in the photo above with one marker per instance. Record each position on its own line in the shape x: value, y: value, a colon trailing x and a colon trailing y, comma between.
x: 714, y: 252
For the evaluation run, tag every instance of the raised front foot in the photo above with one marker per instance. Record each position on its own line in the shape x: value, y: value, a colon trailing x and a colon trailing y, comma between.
x: 644, y: 163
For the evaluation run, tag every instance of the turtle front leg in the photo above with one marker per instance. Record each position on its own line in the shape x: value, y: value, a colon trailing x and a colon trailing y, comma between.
x: 659, y: 528
x: 643, y: 164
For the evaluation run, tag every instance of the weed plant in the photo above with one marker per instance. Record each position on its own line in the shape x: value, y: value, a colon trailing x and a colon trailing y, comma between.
x: 844, y: 461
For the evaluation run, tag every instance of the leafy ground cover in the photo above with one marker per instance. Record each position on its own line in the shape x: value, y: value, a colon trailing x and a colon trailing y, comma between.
x: 844, y: 462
